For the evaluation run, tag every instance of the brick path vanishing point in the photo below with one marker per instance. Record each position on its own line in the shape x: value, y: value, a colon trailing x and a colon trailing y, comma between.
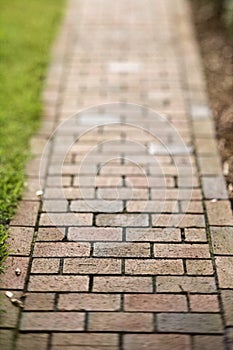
x: 151, y: 266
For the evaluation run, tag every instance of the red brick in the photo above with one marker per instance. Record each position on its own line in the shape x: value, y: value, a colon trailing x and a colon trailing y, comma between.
x: 55, y: 205
x: 188, y: 182
x: 157, y: 341
x: 122, y: 249
x: 192, y: 207
x: 222, y: 240
x: 43, y: 265
x: 189, y: 323
x: 39, y: 301
x: 199, y: 267
x: 155, y: 302
x: 149, y: 181
x: 154, y: 267
x: 122, y: 220
x: 52, y: 321
x: 89, y: 302
x: 172, y: 170
x: 26, y: 214
x: 99, y: 181
x: 9, y: 279
x: 55, y: 181
x: 175, y: 193
x: 51, y: 234
x: 9, y: 313
x: 35, y: 341
x: 122, y: 284
x: 58, y: 283
x: 6, y: 339
x: 117, y: 193
x: 152, y: 206
x: 180, y: 284
x: 96, y: 205
x: 225, y: 271
x: 195, y: 235
x: 227, y: 298
x: 219, y: 213
x: 61, y: 249
x: 20, y: 240
x: 153, y: 234
x: 86, y: 340
x: 121, y: 170
x: 208, y: 342
x: 119, y: 321
x: 94, y: 234
x: 69, y: 193
x: 92, y: 266
x: 66, y: 219
x: 181, y: 250
x: 204, y: 303
x: 179, y: 220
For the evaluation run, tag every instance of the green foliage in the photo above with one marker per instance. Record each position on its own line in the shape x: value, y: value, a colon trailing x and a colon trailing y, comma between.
x: 223, y: 9
x: 27, y: 28
x: 229, y: 14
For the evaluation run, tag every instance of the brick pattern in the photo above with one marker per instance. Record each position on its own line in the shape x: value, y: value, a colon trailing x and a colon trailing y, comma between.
x: 130, y: 246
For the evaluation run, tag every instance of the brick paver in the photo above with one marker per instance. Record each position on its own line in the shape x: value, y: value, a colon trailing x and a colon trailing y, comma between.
x: 130, y: 246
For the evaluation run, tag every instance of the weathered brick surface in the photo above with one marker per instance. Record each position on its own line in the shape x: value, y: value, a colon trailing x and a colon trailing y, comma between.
x: 152, y: 206
x: 10, y: 313
x: 199, y: 267
x: 178, y: 220
x: 125, y: 234
x: 39, y: 301
x: 61, y: 249
x: 122, y: 249
x: 208, y: 342
x: 26, y: 214
x: 157, y: 341
x: 155, y: 302
x: 10, y: 280
x: 204, y: 303
x: 51, y: 234
x: 36, y: 341
x: 66, y: 219
x: 85, y: 340
x: 48, y: 321
x: 20, y: 240
x: 130, y: 322
x: 195, y: 235
x: 122, y: 220
x: 45, y: 265
x: 89, y: 302
x: 153, y: 234
x: 189, y: 323
x: 214, y: 187
x: 92, y: 266
x: 181, y: 194
x: 186, y: 283
x: 58, y: 283
x: 181, y: 250
x: 123, y: 284
x: 154, y: 267
x: 225, y: 271
x: 227, y: 297
x: 94, y: 234
x: 6, y: 338
x: 222, y: 239
x: 219, y: 213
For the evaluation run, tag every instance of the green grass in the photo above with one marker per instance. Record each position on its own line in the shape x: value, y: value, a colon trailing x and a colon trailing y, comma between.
x: 27, y: 29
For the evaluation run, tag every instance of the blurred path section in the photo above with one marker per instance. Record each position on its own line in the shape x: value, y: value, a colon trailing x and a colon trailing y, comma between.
x: 130, y: 246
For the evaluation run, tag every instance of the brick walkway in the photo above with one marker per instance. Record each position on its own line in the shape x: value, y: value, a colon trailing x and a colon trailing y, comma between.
x: 134, y: 248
